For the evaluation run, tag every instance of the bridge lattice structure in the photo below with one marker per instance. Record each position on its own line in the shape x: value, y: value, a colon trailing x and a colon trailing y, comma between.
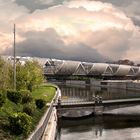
x: 77, y: 68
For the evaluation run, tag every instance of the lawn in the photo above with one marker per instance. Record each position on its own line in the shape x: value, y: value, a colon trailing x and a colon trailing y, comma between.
x: 45, y: 92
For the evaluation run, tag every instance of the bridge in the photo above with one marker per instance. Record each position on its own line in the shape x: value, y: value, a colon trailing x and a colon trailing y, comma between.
x: 78, y: 109
x: 67, y: 68
x: 55, y: 67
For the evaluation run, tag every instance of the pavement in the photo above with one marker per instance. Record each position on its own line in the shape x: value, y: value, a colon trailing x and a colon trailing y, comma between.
x: 133, y: 110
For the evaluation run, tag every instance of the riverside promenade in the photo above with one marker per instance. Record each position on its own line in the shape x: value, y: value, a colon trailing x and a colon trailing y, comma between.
x: 132, y: 111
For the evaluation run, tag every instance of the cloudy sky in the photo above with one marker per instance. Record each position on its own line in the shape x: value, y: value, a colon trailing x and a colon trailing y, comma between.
x: 86, y: 30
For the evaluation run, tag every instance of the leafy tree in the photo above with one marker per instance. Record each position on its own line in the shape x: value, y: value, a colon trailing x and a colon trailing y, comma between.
x: 29, y: 108
x: 2, y: 99
x: 20, y: 123
x: 40, y: 103
x: 36, y: 74
x: 14, y: 96
x: 26, y: 96
x: 29, y: 75
x: 5, y: 74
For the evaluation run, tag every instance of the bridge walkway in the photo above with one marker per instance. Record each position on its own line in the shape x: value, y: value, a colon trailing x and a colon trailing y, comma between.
x: 104, y: 102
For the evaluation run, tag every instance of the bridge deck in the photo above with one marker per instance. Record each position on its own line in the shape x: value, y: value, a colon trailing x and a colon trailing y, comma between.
x: 105, y: 102
x: 122, y: 100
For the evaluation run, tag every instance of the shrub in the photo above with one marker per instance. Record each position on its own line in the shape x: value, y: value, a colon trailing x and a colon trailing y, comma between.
x: 20, y: 123
x: 14, y: 96
x: 40, y: 103
x: 2, y: 99
x: 26, y: 96
x: 28, y: 110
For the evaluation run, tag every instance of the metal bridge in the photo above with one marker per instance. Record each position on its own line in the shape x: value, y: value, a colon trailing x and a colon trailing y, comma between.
x: 54, y: 67
x: 96, y: 107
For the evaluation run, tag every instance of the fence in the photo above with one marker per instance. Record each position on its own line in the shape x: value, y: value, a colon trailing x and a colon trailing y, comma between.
x: 38, y: 132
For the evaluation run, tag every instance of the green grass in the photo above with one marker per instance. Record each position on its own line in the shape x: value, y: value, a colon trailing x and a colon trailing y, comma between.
x: 45, y: 92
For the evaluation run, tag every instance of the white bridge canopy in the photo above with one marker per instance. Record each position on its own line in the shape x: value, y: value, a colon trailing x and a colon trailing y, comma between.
x: 67, y: 67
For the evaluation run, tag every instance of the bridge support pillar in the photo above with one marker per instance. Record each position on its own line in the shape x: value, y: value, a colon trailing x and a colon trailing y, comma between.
x: 98, y: 109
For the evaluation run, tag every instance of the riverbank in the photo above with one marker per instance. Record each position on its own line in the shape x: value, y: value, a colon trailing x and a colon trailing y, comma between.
x: 45, y: 92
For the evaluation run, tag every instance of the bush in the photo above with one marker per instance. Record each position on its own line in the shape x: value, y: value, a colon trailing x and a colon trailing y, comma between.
x: 2, y: 99
x: 26, y: 96
x: 29, y: 109
x: 14, y: 96
x: 20, y: 123
x: 40, y: 103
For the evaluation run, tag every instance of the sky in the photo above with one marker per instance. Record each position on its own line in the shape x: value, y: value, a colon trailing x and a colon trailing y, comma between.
x: 85, y: 30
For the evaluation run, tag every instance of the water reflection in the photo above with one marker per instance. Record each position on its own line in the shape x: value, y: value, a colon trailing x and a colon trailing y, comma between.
x: 71, y: 93
x: 100, y: 128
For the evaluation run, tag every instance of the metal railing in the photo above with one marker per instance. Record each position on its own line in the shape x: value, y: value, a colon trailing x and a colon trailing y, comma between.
x: 39, y: 131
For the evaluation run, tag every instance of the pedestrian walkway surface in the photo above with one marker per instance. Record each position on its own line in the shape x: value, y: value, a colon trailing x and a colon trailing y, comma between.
x: 133, y: 110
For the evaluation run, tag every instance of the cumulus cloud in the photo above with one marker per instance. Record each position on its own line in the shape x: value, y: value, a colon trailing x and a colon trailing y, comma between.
x: 81, y: 30
x: 49, y: 44
x: 133, y: 11
x: 9, y: 12
x: 130, y: 7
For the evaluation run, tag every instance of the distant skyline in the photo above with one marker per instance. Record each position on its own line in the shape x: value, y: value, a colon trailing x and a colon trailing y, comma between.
x: 85, y: 30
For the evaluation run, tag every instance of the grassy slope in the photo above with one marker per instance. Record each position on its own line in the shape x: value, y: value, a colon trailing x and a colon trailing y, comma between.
x: 43, y: 92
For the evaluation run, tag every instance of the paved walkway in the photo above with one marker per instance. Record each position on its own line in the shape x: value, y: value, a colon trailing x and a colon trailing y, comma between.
x: 134, y: 110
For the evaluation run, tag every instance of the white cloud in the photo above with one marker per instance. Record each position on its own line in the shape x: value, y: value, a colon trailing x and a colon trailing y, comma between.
x: 9, y: 12
x: 99, y: 26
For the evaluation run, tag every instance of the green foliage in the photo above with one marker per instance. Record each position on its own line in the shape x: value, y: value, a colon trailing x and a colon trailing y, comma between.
x: 20, y: 123
x: 28, y: 110
x: 26, y: 96
x: 2, y: 99
x: 8, y: 108
x: 45, y: 92
x: 14, y: 96
x: 5, y: 74
x: 29, y: 75
x: 40, y: 103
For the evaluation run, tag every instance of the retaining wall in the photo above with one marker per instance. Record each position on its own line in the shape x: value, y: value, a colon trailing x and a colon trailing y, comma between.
x: 37, y: 134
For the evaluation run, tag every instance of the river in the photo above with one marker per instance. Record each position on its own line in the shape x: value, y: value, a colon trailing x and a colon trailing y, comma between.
x: 98, y: 128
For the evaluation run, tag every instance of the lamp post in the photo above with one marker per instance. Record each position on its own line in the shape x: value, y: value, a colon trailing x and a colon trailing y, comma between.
x: 14, y: 53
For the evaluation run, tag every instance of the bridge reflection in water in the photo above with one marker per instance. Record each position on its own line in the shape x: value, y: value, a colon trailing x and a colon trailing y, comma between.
x: 86, y: 93
x: 101, y: 127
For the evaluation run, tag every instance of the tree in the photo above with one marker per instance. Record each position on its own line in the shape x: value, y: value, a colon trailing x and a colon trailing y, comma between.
x: 2, y: 99
x: 5, y: 74
x: 20, y: 123
x: 29, y: 75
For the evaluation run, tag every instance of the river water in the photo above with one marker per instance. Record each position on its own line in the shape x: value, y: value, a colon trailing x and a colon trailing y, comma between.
x: 98, y: 128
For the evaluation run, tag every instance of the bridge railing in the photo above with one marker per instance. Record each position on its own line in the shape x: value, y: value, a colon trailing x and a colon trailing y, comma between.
x: 94, y: 98
x: 77, y: 101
